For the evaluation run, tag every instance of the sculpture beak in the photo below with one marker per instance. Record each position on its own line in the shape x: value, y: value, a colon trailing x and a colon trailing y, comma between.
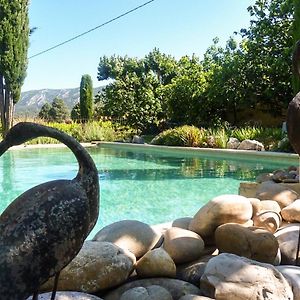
x: 3, y: 147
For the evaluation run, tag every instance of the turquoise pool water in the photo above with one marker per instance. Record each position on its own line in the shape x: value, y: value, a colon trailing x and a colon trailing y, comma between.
x: 150, y: 187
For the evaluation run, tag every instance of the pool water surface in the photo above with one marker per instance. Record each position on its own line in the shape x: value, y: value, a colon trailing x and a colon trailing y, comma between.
x: 150, y: 187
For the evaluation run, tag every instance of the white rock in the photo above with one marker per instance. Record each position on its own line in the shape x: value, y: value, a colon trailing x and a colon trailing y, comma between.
x: 251, y: 145
x: 228, y: 276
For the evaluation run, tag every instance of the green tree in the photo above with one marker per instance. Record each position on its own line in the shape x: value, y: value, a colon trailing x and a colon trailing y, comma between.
x: 14, y: 39
x: 45, y: 112
x: 86, y: 98
x: 75, y: 112
x: 296, y: 36
x: 268, y: 45
x: 59, y: 111
x: 134, y: 96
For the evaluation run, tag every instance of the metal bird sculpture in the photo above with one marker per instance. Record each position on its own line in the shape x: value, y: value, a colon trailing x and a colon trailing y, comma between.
x: 43, y: 229
x: 293, y: 122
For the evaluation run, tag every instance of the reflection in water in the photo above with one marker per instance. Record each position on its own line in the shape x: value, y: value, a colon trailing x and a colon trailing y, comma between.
x: 150, y: 187
x: 7, y: 169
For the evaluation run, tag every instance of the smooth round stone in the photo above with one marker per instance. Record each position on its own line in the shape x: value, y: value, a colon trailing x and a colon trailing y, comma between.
x: 268, y: 220
x: 220, y: 210
x: 192, y: 271
x: 228, y: 276
x: 156, y: 263
x: 255, y: 205
x: 292, y: 275
x: 183, y: 245
x: 135, y: 236
x: 194, y: 297
x: 291, y: 213
x: 269, y: 205
x: 67, y: 296
x: 182, y: 222
x: 287, y: 238
x: 177, y: 288
x: 151, y: 292
x: 254, y: 243
x: 98, y: 266
x: 269, y: 190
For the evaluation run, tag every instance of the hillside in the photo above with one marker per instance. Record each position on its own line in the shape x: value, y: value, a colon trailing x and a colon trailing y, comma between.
x: 32, y: 101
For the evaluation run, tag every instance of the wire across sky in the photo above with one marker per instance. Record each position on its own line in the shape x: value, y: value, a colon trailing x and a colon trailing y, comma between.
x: 92, y: 29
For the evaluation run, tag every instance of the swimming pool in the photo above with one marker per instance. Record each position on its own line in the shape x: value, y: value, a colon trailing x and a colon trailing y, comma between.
x: 147, y: 186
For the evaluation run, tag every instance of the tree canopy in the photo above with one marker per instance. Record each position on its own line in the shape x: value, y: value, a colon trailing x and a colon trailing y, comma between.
x: 252, y: 71
x: 86, y: 102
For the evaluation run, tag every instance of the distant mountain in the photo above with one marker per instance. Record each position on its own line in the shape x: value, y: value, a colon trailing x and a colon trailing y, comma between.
x: 32, y: 101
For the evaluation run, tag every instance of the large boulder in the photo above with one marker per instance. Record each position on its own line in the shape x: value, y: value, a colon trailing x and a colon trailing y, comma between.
x: 228, y: 276
x: 183, y: 245
x: 252, y: 242
x: 177, y: 288
x: 135, y: 236
x: 156, y: 263
x: 292, y: 275
x: 291, y: 213
x: 151, y: 292
x: 251, y: 145
x: 67, y: 296
x: 270, y: 190
x: 220, y: 210
x: 287, y: 238
x: 98, y: 266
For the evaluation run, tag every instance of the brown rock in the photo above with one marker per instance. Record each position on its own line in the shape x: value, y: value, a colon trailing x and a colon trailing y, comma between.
x: 177, y: 288
x: 256, y: 204
x: 135, y: 236
x: 156, y: 263
x: 254, y: 243
x: 220, y: 210
x: 182, y: 223
x: 268, y: 220
x: 228, y: 276
x: 272, y: 191
x: 98, y: 266
x: 269, y: 205
x: 291, y: 213
x: 183, y: 245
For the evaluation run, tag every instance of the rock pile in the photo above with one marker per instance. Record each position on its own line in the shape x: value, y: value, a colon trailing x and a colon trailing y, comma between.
x: 233, y: 248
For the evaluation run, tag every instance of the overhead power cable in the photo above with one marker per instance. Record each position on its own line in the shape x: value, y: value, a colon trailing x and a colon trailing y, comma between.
x: 90, y: 30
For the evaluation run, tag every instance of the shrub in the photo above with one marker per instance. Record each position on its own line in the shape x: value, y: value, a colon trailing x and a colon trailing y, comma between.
x: 189, y: 136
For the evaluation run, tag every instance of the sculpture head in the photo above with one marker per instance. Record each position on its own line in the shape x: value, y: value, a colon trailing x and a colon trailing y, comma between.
x: 19, y: 134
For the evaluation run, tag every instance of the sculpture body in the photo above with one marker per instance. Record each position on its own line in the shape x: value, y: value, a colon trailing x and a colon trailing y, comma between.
x: 43, y: 229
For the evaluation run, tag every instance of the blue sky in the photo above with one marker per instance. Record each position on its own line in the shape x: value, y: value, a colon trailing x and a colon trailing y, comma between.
x: 176, y: 27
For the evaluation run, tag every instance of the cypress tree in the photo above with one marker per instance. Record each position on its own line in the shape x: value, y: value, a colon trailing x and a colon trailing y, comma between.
x: 14, y: 39
x: 296, y: 37
x: 86, y: 98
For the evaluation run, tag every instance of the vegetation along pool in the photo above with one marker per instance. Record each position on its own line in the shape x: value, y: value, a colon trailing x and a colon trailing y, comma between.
x: 147, y: 186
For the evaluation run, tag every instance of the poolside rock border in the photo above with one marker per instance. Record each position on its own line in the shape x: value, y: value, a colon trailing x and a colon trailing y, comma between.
x: 215, y: 254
